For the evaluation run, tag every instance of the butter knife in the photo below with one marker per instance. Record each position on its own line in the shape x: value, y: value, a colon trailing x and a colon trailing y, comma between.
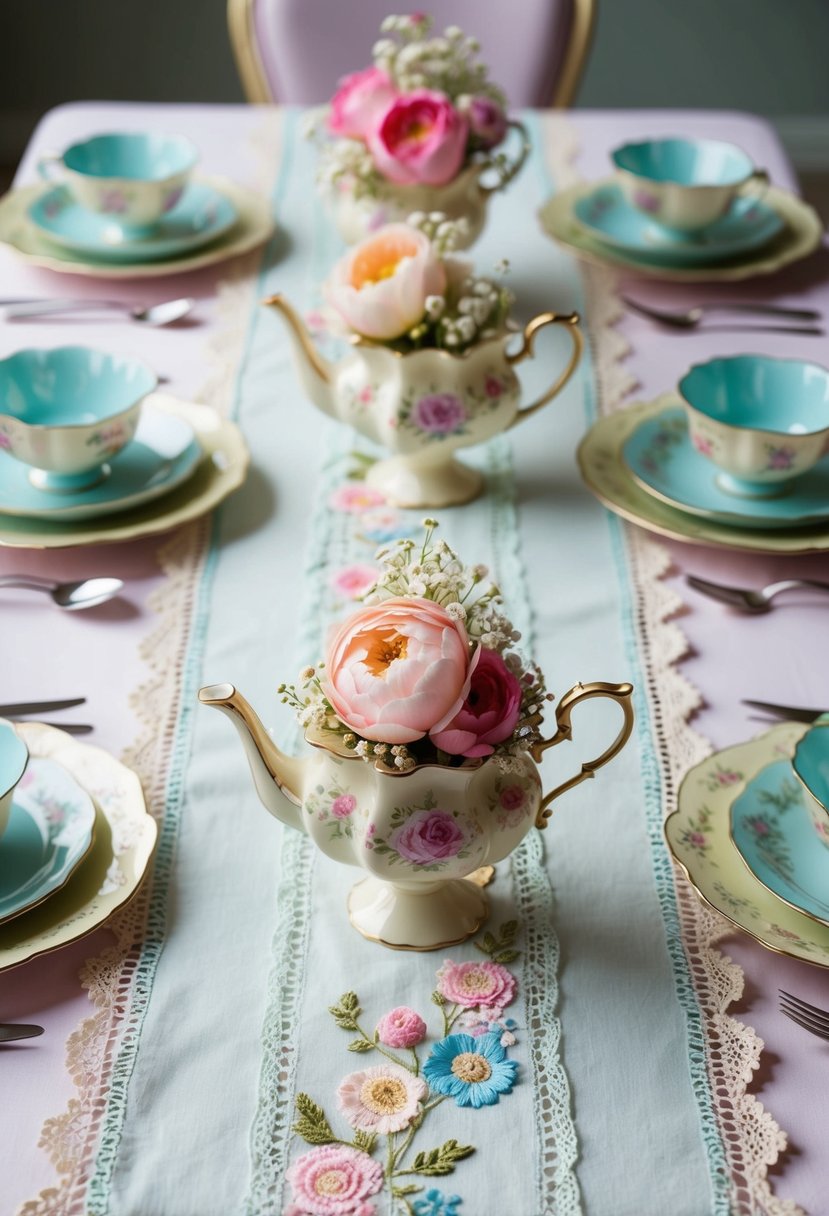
x: 789, y: 713
x: 8, y: 1032
x: 38, y: 707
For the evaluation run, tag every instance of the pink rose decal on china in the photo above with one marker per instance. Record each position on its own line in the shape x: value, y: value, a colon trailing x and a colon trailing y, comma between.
x: 647, y: 201
x: 428, y: 837
x: 172, y: 198
x: 343, y: 805
x: 439, y: 414
x: 703, y: 444
x: 780, y: 458
x: 113, y: 202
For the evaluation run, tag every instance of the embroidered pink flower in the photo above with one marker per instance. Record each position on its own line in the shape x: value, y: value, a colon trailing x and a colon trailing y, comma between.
x: 360, y: 101
x: 343, y: 805
x: 477, y: 984
x: 512, y: 797
x: 395, y: 669
x: 401, y: 1027
x: 334, y: 1180
x: 439, y: 413
x: 382, y: 1099
x: 353, y: 581
x: 420, y: 140
x: 489, y: 713
x: 428, y: 836
x: 487, y: 121
x: 356, y: 498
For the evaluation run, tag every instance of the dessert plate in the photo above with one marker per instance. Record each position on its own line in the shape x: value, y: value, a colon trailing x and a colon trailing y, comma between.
x: 202, y: 214
x: 48, y: 834
x: 698, y: 836
x: 605, y: 212
x: 775, y: 837
x: 801, y: 234
x: 253, y: 227
x: 220, y: 471
x: 661, y: 458
x: 110, y: 873
x: 163, y: 454
x: 604, y: 472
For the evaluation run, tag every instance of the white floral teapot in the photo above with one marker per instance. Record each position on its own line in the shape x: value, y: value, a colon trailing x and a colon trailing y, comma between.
x: 423, y: 835
x: 424, y: 404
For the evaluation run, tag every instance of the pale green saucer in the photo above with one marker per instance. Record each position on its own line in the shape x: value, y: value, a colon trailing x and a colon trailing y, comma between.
x: 698, y: 835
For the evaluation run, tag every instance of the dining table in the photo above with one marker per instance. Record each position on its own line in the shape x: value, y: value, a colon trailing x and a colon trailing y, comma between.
x: 189, y: 1055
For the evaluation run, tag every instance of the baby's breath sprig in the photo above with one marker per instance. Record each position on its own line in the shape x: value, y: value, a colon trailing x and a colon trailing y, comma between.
x: 447, y: 62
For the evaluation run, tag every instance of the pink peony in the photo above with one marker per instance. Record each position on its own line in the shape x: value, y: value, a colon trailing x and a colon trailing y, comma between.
x: 383, y: 1099
x: 402, y: 1027
x: 334, y: 1180
x: 380, y: 287
x: 477, y: 984
x: 396, y: 669
x: 427, y: 837
x: 420, y: 140
x: 360, y: 101
x: 487, y: 121
x: 489, y: 713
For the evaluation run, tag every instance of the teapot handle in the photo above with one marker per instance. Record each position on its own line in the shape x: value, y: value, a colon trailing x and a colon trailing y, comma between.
x: 504, y: 169
x: 532, y: 327
x: 621, y: 694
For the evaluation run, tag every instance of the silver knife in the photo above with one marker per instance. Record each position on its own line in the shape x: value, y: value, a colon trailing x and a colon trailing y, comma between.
x: 789, y: 713
x: 68, y: 728
x: 8, y: 1033
x: 38, y: 707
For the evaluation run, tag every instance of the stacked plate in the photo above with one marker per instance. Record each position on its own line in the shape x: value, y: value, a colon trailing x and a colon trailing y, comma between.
x: 747, y: 835
x: 76, y: 844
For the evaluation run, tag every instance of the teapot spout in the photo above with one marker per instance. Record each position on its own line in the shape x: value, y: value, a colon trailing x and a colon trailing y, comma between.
x: 277, y: 777
x: 315, y: 373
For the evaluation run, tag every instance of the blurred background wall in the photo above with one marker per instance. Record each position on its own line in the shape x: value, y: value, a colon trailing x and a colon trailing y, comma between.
x: 767, y: 56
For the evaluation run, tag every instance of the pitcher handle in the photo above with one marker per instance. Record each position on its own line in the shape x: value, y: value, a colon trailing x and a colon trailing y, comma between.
x: 504, y: 169
x: 571, y: 321
x: 621, y: 694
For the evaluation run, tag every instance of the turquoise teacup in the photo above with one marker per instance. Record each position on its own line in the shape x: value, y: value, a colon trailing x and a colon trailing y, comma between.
x: 14, y: 756
x: 763, y: 421
x: 131, y: 178
x: 66, y: 411
x: 811, y: 765
x: 685, y: 184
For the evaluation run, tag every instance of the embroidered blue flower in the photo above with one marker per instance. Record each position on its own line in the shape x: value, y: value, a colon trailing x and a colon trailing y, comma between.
x: 473, y: 1071
x: 434, y: 1203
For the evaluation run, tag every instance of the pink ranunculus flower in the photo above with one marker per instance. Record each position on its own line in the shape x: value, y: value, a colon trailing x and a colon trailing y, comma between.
x: 401, y: 1027
x: 427, y: 837
x: 396, y: 669
x: 381, y: 285
x: 489, y: 713
x: 487, y: 121
x: 477, y: 984
x: 334, y: 1180
x: 420, y: 140
x: 359, y: 102
x: 382, y: 1099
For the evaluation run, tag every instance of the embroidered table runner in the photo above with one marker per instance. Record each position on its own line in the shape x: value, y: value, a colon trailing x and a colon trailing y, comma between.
x: 242, y: 1079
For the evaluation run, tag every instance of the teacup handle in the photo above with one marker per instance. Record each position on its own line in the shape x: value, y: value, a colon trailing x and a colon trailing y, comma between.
x: 571, y: 321
x: 621, y: 694
x: 761, y: 181
x: 505, y: 169
x: 50, y: 166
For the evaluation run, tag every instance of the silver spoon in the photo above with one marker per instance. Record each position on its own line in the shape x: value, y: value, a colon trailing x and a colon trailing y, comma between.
x: 748, y: 600
x: 71, y: 596
x: 689, y: 318
x: 165, y: 313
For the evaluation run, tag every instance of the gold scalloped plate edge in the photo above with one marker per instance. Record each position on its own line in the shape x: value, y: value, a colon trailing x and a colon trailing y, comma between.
x: 254, y: 226
x: 119, y: 800
x: 605, y: 474
x: 221, y: 470
x: 802, y: 235
x: 776, y: 937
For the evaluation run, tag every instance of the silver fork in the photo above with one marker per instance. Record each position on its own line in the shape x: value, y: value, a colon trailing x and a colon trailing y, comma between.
x: 748, y: 599
x: 810, y: 1017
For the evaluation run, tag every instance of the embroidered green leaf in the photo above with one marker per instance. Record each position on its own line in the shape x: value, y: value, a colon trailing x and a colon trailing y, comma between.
x: 399, y: 1192
x: 441, y: 1160
x: 346, y: 1011
x: 438, y: 998
x: 506, y: 956
x: 361, y: 1045
x: 365, y: 1140
x: 497, y: 945
x: 489, y: 944
x: 312, y: 1124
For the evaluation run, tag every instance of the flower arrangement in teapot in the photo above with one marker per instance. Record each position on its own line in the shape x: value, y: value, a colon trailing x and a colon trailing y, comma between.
x: 424, y: 722
x: 416, y: 130
x: 429, y: 370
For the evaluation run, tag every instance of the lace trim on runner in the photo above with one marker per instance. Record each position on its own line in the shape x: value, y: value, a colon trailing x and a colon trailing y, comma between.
x: 751, y: 1138
x: 119, y: 980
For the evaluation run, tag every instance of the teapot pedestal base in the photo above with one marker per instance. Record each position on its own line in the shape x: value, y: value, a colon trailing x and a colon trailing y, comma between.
x: 433, y: 918
x: 405, y: 483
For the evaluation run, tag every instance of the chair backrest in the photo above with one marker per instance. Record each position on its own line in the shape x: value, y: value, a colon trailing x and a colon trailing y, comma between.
x: 295, y: 51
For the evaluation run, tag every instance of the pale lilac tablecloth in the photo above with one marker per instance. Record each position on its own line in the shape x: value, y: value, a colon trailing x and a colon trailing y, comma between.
x: 780, y: 657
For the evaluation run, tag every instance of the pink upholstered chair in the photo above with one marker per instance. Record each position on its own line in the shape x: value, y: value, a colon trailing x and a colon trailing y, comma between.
x: 295, y: 51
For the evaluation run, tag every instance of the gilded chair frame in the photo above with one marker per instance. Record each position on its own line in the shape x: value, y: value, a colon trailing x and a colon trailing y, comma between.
x: 257, y: 91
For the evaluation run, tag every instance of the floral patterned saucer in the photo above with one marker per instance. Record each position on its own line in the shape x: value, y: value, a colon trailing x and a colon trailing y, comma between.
x: 698, y: 835
x: 660, y: 456
x: 48, y: 835
x: 774, y: 834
